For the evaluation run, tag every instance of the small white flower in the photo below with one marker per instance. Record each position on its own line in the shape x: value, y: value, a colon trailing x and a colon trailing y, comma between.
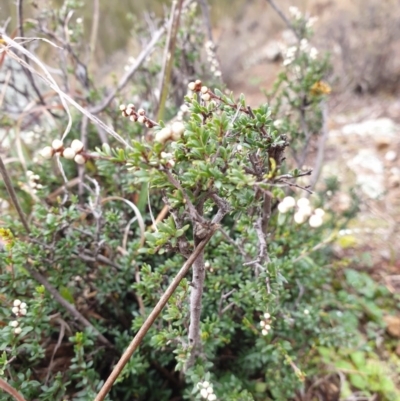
x: 69, y: 153
x: 264, y: 332
x: 262, y: 323
x: 77, y: 145
x: 306, y: 210
x: 315, y: 221
x: 211, y: 397
x: 17, y: 302
x: 47, y: 152
x: 278, y: 123
x: 17, y: 330
x: 177, y: 129
x: 313, y: 53
x: 299, y: 218
x: 289, y: 201
x: 306, y: 312
x: 57, y: 144
x: 206, y: 384
x: 79, y: 20
x: 23, y: 305
x: 267, y: 327
x: 210, y: 390
x: 79, y: 159
x: 141, y: 119
x: 14, y: 323
x: 303, y: 202
x: 267, y: 315
x: 204, y: 89
x: 15, y: 310
x: 283, y: 208
x: 163, y: 135
x: 319, y: 212
x: 22, y: 312
x: 304, y: 45
x: 206, y: 97
x: 192, y: 86
x: 204, y: 392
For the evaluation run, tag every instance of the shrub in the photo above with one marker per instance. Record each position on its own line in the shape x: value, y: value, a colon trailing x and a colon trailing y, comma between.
x: 214, y: 180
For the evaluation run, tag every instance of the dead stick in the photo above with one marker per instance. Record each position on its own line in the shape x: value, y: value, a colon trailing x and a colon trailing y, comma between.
x: 153, y: 315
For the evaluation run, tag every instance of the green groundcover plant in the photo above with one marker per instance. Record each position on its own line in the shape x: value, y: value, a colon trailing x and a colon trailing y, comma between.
x: 82, y: 272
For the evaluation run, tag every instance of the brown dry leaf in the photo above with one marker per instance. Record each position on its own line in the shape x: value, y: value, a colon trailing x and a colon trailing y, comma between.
x: 393, y: 325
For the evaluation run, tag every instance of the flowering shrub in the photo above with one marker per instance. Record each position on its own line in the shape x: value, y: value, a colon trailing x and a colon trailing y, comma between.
x: 215, y: 187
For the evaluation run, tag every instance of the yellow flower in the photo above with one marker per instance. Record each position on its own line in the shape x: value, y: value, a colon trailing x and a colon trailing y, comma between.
x: 320, y: 88
x: 6, y: 237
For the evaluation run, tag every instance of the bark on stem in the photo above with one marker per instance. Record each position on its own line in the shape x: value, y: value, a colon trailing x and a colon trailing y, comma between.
x: 196, y: 295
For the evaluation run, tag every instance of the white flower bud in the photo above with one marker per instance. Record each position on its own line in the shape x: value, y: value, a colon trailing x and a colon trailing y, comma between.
x: 264, y: 332
x: 79, y: 159
x: 77, y: 145
x: 267, y: 327
x: 204, y: 393
x: 23, y: 305
x: 57, y: 144
x: 122, y: 107
x: 283, y: 208
x: 197, y: 82
x: 69, y: 153
x: 171, y: 163
x: 15, y: 310
x: 211, y: 397
x: 141, y: 112
x: 204, y: 89
x: 17, y: 330
x: 299, y: 218
x: 210, y: 390
x: 22, y: 312
x: 267, y: 315
x: 165, y: 155
x: 262, y: 323
x: 306, y: 210
x: 177, y: 129
x: 302, y: 202
x: 192, y: 86
x: 141, y: 119
x: 319, y: 212
x: 206, y: 384
x: 14, y: 323
x: 289, y: 201
x: 315, y: 221
x: 47, y: 152
x: 17, y: 302
x: 206, y: 97
x: 306, y: 312
x: 163, y: 135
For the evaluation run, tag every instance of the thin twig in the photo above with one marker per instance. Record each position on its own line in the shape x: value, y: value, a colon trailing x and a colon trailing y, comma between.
x: 11, y: 390
x: 13, y: 195
x: 128, y: 75
x: 69, y: 307
x: 152, y: 317
x: 51, y: 83
x: 282, y: 15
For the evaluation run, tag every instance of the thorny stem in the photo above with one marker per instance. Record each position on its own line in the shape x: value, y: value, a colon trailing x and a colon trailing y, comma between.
x: 153, y: 315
